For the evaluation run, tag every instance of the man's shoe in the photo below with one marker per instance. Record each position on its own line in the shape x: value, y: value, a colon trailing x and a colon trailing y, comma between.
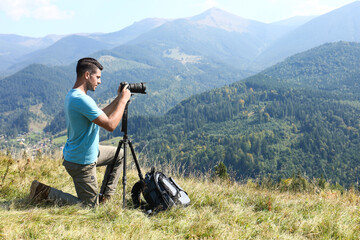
x: 38, y: 191
x: 104, y: 198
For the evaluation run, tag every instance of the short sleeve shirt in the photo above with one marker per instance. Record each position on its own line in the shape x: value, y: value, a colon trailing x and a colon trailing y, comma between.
x: 82, y: 145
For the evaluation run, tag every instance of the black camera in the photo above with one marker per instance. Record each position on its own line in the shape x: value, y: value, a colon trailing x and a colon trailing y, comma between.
x: 134, y: 87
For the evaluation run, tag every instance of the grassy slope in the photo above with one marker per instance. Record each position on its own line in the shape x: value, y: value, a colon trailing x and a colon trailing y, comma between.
x: 219, y: 210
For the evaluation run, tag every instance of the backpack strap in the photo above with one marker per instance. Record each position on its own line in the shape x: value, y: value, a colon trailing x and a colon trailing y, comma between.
x: 164, y: 194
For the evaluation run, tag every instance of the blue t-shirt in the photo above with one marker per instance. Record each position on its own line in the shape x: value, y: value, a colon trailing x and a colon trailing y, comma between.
x: 82, y: 145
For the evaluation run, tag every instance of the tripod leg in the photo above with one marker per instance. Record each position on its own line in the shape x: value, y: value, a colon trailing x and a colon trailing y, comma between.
x: 112, y: 166
x: 136, y: 161
x: 124, y: 174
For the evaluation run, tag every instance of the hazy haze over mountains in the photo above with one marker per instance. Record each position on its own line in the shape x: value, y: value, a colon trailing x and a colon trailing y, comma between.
x: 342, y: 24
x: 15, y: 55
x: 62, y: 50
x: 13, y: 47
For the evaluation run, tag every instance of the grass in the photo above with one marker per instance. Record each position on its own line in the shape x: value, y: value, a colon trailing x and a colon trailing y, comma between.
x: 60, y: 140
x: 112, y: 142
x: 219, y: 210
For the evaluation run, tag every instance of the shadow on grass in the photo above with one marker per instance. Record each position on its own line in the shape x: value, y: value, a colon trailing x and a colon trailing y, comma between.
x: 23, y: 204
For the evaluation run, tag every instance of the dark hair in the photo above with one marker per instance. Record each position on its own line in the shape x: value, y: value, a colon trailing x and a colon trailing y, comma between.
x: 87, y: 65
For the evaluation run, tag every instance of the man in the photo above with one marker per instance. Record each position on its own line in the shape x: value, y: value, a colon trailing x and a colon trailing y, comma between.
x: 82, y: 153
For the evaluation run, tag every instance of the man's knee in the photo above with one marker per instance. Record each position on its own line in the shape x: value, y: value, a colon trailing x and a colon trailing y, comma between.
x: 84, y: 178
x: 107, y: 154
x: 86, y: 189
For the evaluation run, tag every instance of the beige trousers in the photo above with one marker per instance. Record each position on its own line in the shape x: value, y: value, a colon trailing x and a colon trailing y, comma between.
x: 85, y: 180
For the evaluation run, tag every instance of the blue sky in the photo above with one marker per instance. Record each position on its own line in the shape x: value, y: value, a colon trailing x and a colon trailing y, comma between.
x: 37, y: 18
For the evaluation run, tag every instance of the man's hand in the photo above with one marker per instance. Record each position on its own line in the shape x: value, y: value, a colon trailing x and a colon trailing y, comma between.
x: 114, y: 111
x: 124, y: 94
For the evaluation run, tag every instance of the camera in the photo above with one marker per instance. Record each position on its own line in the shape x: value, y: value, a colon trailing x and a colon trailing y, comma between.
x: 134, y: 87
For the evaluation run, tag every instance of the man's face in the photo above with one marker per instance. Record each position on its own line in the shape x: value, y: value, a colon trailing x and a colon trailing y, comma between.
x: 93, y: 80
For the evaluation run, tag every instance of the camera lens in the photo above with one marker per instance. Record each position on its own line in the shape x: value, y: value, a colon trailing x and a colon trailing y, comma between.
x: 137, y: 87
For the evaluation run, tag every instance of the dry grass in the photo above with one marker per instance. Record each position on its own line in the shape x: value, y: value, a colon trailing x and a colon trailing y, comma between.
x: 219, y: 210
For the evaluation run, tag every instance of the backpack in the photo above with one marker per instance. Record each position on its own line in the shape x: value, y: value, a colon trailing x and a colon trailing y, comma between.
x: 160, y: 192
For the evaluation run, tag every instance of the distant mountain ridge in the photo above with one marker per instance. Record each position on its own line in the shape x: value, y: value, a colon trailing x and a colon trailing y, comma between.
x: 214, y: 17
x: 131, y: 32
x: 46, y: 50
x: 253, y: 44
x: 62, y: 52
x: 12, y: 47
x: 342, y: 24
x: 218, y: 18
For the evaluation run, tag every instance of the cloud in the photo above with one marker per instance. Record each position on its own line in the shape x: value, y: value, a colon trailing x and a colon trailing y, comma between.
x: 38, y: 9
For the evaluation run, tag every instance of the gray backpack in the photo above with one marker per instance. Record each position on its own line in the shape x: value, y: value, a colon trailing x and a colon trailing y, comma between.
x: 160, y: 192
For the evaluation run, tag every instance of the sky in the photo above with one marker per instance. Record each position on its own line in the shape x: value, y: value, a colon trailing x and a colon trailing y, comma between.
x: 38, y: 18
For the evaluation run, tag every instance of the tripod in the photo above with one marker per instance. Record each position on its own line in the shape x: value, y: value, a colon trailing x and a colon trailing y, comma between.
x: 123, y: 143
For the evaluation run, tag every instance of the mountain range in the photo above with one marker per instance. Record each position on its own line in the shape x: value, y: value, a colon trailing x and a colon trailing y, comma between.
x: 247, y: 44
x: 13, y: 47
x: 262, y: 98
x: 339, y: 25
x: 177, y: 58
x: 300, y: 116
x: 19, y: 51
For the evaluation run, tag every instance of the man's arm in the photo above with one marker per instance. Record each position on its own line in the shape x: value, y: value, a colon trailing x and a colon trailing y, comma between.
x: 114, y: 111
x: 111, y: 107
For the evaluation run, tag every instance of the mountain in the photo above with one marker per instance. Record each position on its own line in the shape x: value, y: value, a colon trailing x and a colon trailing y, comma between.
x: 236, y: 40
x: 175, y: 58
x: 171, y: 74
x: 331, y: 67
x: 13, y: 47
x: 338, y: 25
x: 19, y: 52
x: 73, y: 47
x: 245, y: 44
x: 220, y: 19
x: 36, y: 86
x: 183, y: 57
x: 211, y: 35
x: 251, y: 45
x: 300, y: 116
x: 245, y: 39
x: 131, y: 32
x: 63, y: 52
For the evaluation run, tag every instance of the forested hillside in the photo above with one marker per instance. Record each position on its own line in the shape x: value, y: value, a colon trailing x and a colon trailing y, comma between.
x: 331, y: 67
x: 36, y: 85
x: 168, y: 80
x: 283, y: 121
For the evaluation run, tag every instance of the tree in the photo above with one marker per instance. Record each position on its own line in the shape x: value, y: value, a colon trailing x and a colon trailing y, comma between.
x: 221, y: 171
